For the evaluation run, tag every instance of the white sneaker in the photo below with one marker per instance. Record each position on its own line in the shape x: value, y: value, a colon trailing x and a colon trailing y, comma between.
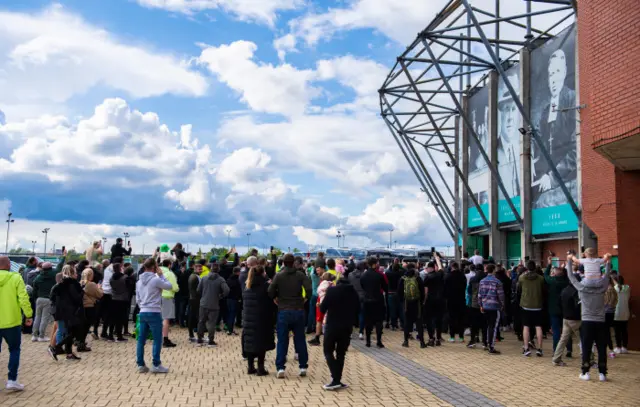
x: 159, y: 369
x: 45, y: 339
x: 361, y: 337
x: 295, y: 356
x: 623, y: 350
x: 585, y: 376
x: 14, y: 385
x: 602, y: 377
x: 34, y: 338
x: 280, y: 374
x: 616, y: 351
x: 452, y: 340
x: 143, y: 369
x: 303, y: 372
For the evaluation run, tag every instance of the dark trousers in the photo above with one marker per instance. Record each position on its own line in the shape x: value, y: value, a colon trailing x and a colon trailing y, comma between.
x: 395, y: 310
x: 622, y: 333
x: 517, y: 320
x: 335, y: 348
x: 90, y: 314
x: 71, y: 333
x: 609, y: 323
x: 12, y: 338
x: 222, y: 312
x: 119, y: 317
x: 232, y: 306
x: 239, y: 315
x: 456, y: 320
x: 251, y: 357
x: 181, y: 310
x: 207, y: 322
x: 492, y: 318
x: 594, y: 332
x: 373, y: 314
x: 477, y: 323
x: 194, y: 311
x: 413, y: 315
x: 433, y: 311
x: 105, y: 313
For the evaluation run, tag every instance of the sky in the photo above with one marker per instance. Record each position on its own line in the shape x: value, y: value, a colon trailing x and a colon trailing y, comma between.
x: 209, y: 122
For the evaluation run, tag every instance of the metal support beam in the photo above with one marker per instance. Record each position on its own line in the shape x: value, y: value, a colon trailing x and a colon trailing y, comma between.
x: 446, y: 147
x: 494, y: 171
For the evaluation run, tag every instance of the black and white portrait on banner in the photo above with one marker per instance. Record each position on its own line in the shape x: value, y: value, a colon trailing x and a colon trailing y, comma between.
x: 509, y: 122
x: 553, y: 102
x: 479, y: 175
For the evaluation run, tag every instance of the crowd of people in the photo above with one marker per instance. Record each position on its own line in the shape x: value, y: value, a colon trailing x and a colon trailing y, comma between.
x: 331, y: 300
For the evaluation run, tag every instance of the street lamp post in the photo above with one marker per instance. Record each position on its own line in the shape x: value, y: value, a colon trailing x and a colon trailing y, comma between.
x: 104, y: 245
x: 248, y: 241
x: 228, y: 237
x: 338, y: 236
x: 46, y: 233
x: 9, y: 222
x: 390, y: 237
x: 344, y: 240
x: 33, y: 242
x: 126, y: 236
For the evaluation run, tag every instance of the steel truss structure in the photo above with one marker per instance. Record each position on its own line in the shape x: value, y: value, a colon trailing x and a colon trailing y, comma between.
x: 422, y: 104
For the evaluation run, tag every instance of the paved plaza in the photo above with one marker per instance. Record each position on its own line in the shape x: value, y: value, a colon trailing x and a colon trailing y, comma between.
x: 395, y: 376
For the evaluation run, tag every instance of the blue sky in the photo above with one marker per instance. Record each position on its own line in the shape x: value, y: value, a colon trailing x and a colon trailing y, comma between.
x: 179, y: 120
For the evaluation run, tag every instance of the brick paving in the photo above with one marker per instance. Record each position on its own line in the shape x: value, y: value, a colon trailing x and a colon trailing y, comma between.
x: 396, y: 376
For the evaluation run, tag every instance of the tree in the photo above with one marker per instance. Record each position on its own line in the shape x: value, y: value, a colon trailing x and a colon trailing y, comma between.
x: 296, y: 250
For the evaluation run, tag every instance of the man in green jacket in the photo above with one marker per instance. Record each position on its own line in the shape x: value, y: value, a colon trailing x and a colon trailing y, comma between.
x: 557, y: 281
x: 14, y: 301
x: 532, y: 286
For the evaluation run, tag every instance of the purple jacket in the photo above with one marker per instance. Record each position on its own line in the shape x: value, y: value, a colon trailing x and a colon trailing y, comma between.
x: 491, y: 294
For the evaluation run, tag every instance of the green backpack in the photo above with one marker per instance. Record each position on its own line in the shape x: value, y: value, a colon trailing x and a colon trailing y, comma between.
x: 411, y: 289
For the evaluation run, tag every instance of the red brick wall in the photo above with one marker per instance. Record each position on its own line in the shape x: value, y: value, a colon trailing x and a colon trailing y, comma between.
x: 609, y: 57
x: 557, y: 247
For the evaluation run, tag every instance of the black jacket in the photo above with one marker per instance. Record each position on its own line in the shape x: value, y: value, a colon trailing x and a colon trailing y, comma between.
x: 66, y: 302
x: 118, y: 251
x: 287, y: 288
x: 570, y: 302
x: 342, y: 305
x: 394, y: 278
x: 258, y: 317
x: 181, y: 255
x: 235, y: 291
x: 374, y: 285
x: 435, y: 286
x: 455, y: 285
x: 226, y: 269
x: 119, y: 288
x: 43, y: 283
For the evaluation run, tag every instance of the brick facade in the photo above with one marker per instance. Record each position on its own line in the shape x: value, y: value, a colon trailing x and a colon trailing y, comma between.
x: 609, y: 61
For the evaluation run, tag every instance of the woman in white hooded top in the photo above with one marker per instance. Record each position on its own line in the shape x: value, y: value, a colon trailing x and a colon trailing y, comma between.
x: 621, y: 318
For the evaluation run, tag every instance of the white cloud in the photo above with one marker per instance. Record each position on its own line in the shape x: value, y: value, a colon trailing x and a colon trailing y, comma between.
x: 281, y: 89
x: 285, y: 44
x: 114, y: 138
x: 262, y: 11
x: 49, y: 56
x: 398, y: 20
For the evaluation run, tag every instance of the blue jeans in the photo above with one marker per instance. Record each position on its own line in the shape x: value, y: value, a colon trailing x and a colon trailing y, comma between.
x: 181, y: 310
x: 150, y: 321
x: 232, y: 307
x: 290, y: 320
x: 13, y: 338
x: 361, y: 317
x: 61, y: 332
x: 311, y: 320
x: 556, y: 331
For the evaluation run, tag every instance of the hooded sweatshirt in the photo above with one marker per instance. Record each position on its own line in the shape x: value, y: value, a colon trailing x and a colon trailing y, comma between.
x: 149, y: 291
x: 43, y: 283
x: 556, y: 285
x: 212, y: 288
x: 532, y: 285
x: 14, y: 300
x: 287, y: 287
x: 171, y: 277
x: 622, y: 309
x: 591, y: 292
x: 354, y: 279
